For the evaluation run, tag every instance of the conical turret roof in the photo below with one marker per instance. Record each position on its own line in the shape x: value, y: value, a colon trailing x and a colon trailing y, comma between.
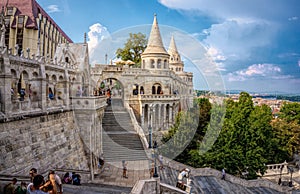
x: 155, y: 44
x: 172, y: 48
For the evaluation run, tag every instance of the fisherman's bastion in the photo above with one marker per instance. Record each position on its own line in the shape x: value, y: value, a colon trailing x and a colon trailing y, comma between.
x: 60, y: 113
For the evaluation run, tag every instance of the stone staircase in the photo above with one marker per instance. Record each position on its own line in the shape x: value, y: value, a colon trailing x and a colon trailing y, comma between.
x: 211, y: 184
x: 120, y: 141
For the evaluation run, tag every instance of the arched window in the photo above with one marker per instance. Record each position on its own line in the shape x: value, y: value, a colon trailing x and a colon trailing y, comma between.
x: 67, y: 59
x: 159, y: 91
x: 159, y: 64
x: 142, y: 90
x: 135, y: 89
x: 165, y: 64
x: 152, y: 63
x: 153, y: 89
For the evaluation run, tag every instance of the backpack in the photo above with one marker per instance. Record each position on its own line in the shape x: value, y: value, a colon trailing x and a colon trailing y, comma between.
x: 20, y: 190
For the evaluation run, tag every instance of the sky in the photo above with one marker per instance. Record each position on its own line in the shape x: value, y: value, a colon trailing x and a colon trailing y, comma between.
x: 252, y: 46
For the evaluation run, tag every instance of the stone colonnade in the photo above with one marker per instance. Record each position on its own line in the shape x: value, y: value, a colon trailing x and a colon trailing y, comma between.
x: 158, y: 116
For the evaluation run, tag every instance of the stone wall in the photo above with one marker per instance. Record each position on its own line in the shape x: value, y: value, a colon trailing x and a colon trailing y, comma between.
x: 50, y: 140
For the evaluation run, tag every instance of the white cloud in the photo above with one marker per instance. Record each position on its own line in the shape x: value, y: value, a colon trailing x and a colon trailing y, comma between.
x: 53, y: 8
x: 232, y: 8
x: 299, y: 63
x: 96, y: 34
x: 237, y: 38
x: 293, y: 18
x: 258, y: 70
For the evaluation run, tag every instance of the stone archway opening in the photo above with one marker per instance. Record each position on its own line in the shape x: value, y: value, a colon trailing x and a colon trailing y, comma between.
x: 111, y: 87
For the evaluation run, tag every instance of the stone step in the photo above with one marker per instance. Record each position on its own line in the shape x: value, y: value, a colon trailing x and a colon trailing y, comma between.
x: 120, y: 141
x: 168, y: 176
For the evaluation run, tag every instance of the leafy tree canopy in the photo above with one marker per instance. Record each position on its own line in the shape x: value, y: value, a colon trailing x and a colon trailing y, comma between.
x: 249, y: 139
x: 133, y: 48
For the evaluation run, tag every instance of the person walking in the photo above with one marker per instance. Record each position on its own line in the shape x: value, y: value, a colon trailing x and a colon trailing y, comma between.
x: 10, y: 187
x: 124, y: 164
x: 56, y: 182
x: 223, y: 174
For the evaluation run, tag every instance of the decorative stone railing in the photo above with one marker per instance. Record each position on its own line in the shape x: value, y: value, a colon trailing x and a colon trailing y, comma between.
x: 153, y: 186
x: 145, y: 186
x: 88, y: 102
x: 137, y: 127
x: 154, y: 97
x: 113, y: 68
x: 41, y: 59
x: 212, y: 172
x: 276, y: 169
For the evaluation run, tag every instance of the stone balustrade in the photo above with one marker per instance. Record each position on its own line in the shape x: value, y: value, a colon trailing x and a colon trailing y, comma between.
x: 113, y: 68
x: 90, y: 103
x: 212, y: 172
x: 150, y: 186
x: 276, y: 169
x: 156, y: 97
x: 137, y: 127
x: 38, y: 59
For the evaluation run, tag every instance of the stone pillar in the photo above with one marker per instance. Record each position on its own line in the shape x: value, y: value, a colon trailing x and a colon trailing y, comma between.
x: 170, y: 114
x: 5, y: 93
x: 164, y: 116
x: 43, y: 84
x: 67, y: 90
x: 159, y: 119
x: 143, y: 117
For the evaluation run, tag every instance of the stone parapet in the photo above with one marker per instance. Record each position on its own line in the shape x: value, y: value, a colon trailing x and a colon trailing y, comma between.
x: 88, y: 103
x: 212, y: 172
x: 151, y: 186
x: 45, y: 141
x: 137, y: 127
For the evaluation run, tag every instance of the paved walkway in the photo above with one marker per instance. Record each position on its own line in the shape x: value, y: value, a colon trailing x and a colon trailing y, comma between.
x: 95, y: 189
x: 112, y: 172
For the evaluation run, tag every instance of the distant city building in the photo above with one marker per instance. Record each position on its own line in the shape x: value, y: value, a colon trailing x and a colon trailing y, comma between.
x: 30, y: 28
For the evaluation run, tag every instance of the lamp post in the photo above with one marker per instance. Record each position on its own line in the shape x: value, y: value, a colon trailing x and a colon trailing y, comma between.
x: 150, y: 126
x: 150, y: 136
x: 155, y: 175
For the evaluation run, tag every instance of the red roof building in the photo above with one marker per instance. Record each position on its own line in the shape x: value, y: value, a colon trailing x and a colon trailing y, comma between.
x: 29, y: 27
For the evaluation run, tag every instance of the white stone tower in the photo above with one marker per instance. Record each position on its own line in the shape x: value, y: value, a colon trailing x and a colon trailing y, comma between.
x: 176, y: 64
x: 155, y: 57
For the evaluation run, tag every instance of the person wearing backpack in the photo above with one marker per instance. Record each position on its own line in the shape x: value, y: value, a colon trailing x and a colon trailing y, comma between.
x: 10, y: 187
x: 21, y: 189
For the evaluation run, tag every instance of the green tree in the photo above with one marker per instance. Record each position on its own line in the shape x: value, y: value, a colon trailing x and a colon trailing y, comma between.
x: 246, y: 142
x: 133, y: 48
x: 290, y: 112
x: 287, y: 129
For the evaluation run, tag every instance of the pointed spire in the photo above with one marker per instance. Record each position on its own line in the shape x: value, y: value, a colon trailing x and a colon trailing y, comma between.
x: 155, y: 44
x: 172, y: 48
x: 173, y: 52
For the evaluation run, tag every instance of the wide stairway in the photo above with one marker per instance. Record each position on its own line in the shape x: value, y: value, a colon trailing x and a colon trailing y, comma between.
x: 211, y: 184
x: 120, y: 141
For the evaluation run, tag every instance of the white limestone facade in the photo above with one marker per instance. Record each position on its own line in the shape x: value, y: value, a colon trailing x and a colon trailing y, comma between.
x: 158, y: 90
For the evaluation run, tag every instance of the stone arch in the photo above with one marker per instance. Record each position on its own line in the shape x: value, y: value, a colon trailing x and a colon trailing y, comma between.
x: 158, y: 63
x: 153, y: 90
x: 142, y: 90
x: 35, y: 75
x: 156, y: 88
x: 165, y: 64
x: 159, y: 89
x: 135, y: 89
x: 61, y: 78
x: 113, y: 84
x: 152, y: 62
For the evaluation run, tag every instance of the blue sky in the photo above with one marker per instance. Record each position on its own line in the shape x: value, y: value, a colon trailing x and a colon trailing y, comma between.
x: 254, y: 45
